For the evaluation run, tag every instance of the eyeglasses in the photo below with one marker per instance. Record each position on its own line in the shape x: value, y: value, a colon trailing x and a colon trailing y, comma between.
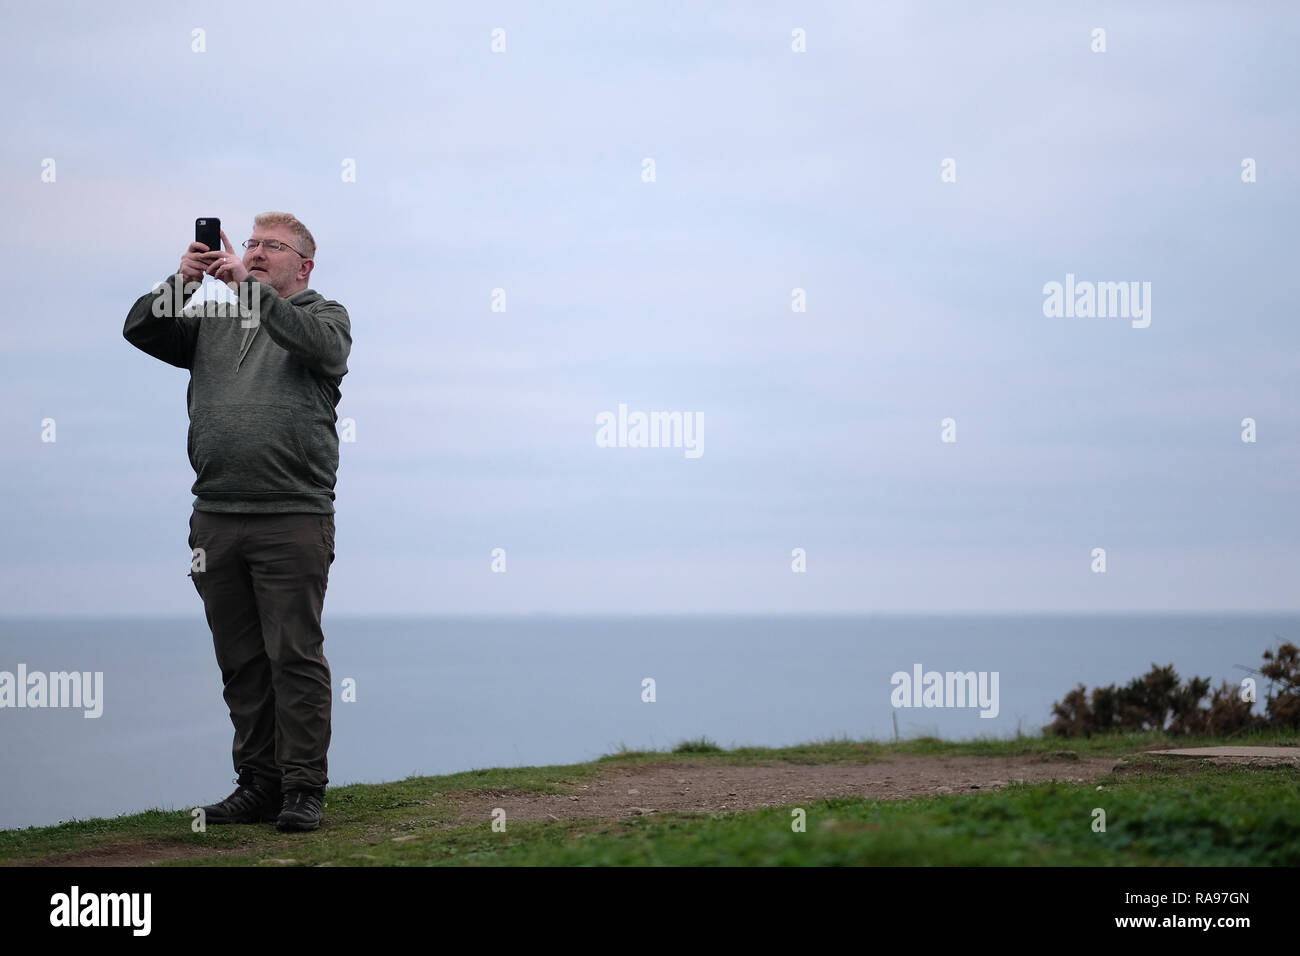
x: 275, y: 245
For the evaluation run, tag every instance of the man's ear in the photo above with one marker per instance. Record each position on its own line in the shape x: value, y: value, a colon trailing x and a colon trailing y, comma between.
x: 305, y: 267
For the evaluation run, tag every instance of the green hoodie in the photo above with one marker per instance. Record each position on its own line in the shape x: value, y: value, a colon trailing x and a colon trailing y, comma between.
x: 261, y: 399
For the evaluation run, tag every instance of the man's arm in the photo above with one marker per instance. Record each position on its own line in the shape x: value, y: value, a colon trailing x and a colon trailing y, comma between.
x: 152, y: 327
x: 320, y: 340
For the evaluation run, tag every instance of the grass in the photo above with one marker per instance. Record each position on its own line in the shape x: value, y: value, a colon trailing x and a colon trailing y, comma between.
x: 836, y: 749
x: 1159, y: 811
x: 1227, y: 818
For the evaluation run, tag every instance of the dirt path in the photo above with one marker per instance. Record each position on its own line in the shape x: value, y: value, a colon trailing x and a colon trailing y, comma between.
x: 692, y: 787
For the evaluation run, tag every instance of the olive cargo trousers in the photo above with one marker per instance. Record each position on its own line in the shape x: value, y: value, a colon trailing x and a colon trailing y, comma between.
x: 262, y: 578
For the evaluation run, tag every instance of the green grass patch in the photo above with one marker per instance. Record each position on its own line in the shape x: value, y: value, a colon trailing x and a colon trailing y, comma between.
x: 1226, y: 817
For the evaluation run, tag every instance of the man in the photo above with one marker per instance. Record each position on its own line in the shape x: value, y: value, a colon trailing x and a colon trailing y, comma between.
x: 263, y: 445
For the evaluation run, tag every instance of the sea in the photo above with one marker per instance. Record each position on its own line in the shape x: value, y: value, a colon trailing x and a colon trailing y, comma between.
x: 435, y: 695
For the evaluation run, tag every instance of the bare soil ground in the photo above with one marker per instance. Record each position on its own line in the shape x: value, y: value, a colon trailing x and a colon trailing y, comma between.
x: 143, y: 853
x: 694, y: 788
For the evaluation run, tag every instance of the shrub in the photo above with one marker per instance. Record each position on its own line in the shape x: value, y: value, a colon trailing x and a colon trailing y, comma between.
x: 1074, y: 717
x: 1160, y: 701
x: 1229, y: 714
x: 1283, y: 667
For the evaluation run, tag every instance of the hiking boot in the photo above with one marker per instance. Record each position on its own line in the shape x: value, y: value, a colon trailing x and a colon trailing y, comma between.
x: 303, y: 810
x: 254, y: 802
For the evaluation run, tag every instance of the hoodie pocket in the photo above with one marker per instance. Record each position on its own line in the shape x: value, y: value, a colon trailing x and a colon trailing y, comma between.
x: 249, y: 449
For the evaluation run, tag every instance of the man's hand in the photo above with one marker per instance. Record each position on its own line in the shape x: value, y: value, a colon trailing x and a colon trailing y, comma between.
x: 226, y: 266
x: 195, y: 262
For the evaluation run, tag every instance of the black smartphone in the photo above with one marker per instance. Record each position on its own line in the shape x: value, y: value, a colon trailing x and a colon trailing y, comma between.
x: 208, y: 232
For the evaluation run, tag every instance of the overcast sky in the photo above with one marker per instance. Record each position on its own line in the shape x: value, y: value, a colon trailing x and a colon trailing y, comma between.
x: 775, y: 170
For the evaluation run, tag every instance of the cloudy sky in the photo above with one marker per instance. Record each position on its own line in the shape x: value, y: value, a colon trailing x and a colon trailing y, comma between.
x: 775, y: 170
